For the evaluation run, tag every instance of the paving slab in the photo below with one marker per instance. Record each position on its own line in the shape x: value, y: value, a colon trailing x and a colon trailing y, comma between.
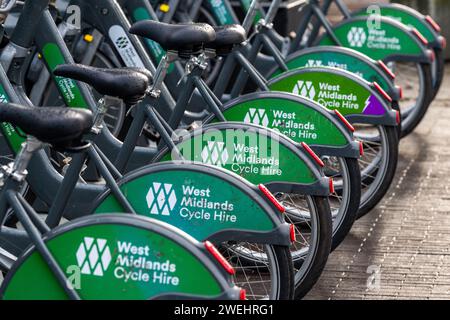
x: 401, y: 250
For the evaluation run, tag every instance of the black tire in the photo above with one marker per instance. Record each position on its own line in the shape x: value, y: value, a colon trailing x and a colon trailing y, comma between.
x: 411, y: 120
x: 321, y: 252
x: 440, y: 71
x: 386, y: 175
x: 286, y: 272
x: 343, y: 227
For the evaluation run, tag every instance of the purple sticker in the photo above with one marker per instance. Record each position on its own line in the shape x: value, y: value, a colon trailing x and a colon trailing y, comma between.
x: 373, y: 107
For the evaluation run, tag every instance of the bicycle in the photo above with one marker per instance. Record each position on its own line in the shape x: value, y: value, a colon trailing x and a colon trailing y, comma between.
x: 90, y: 245
x: 421, y: 58
x: 259, y: 232
x: 145, y: 152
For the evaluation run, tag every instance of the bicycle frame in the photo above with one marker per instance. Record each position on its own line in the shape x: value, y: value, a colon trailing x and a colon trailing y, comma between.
x: 38, y: 234
x: 126, y: 150
x: 11, y: 239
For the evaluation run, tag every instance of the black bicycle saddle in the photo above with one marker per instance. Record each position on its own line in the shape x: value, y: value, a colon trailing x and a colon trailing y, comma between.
x: 128, y: 84
x: 226, y: 38
x: 184, y: 38
x: 58, y: 126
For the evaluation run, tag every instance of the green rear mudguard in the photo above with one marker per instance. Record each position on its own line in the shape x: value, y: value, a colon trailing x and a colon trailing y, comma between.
x: 335, y: 89
x: 208, y: 203
x: 120, y: 257
x: 346, y: 59
x: 410, y: 17
x: 298, y: 118
x: 258, y: 154
x: 390, y: 41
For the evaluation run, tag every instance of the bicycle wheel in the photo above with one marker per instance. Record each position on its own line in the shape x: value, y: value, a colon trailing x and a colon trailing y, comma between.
x: 313, y: 228
x: 438, y: 71
x: 416, y: 80
x: 378, y: 165
x: 264, y: 271
x: 344, y: 202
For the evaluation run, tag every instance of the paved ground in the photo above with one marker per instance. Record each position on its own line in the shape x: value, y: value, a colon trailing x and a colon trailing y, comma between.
x: 401, y: 250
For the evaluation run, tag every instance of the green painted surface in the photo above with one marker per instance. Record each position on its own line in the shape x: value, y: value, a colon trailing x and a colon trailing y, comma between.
x: 113, y: 261
x: 337, y: 60
x: 68, y: 88
x: 245, y: 4
x: 331, y: 90
x: 291, y: 118
x: 406, y: 18
x: 377, y: 43
x: 197, y: 203
x: 255, y: 157
x: 14, y: 137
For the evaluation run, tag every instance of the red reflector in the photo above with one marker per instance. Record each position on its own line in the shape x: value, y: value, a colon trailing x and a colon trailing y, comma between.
x: 400, y: 91
x: 386, y: 69
x: 216, y: 254
x: 444, y: 43
x: 242, y: 294
x: 292, y: 233
x: 345, y: 121
x: 382, y: 92
x: 433, y: 23
x: 361, y: 148
x: 271, y: 198
x: 398, y: 118
x: 420, y: 36
x: 313, y: 154
x: 331, y: 186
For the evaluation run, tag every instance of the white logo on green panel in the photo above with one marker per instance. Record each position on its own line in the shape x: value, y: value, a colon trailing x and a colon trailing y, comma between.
x: 257, y: 116
x: 215, y: 153
x: 93, y: 256
x: 305, y: 89
x: 356, y: 37
x: 161, y: 198
x: 314, y: 63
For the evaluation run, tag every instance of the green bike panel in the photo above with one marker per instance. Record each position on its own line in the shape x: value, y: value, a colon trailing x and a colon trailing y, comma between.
x: 256, y: 158
x: 14, y: 137
x: 156, y: 51
x: 407, y: 18
x: 197, y: 203
x: 336, y: 60
x: 67, y: 87
x: 332, y: 90
x: 221, y: 12
x: 291, y: 118
x: 378, y: 43
x: 245, y: 5
x: 113, y: 261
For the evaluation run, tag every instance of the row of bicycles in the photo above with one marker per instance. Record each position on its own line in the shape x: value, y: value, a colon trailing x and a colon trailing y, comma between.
x: 169, y: 150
